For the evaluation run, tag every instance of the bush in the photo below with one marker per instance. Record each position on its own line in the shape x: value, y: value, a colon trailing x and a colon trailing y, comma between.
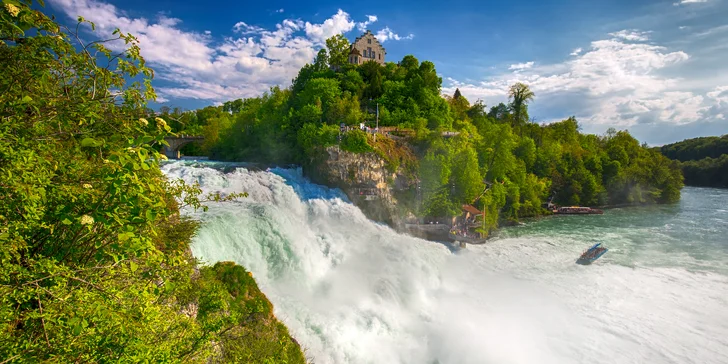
x: 355, y: 141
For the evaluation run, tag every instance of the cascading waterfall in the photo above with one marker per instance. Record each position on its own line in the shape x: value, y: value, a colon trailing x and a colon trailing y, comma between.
x: 354, y: 291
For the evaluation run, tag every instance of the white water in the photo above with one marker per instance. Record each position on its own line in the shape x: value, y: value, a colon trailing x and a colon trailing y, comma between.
x: 353, y: 291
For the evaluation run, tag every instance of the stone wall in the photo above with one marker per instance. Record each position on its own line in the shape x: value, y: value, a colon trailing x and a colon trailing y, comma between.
x: 370, y: 48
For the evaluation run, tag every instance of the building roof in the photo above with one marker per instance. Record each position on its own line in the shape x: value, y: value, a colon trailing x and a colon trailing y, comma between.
x: 355, y: 51
x: 472, y: 210
x: 375, y: 39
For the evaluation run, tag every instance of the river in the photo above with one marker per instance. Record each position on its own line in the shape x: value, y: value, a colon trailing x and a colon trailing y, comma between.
x: 354, y: 291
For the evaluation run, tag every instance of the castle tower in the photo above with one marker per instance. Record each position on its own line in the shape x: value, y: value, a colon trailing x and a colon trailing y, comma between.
x: 366, y: 48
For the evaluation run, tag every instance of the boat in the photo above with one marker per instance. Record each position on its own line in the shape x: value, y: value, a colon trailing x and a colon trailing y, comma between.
x: 577, y: 210
x: 592, y: 254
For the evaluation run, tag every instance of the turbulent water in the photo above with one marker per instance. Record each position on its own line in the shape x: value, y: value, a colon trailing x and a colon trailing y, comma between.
x: 354, y: 291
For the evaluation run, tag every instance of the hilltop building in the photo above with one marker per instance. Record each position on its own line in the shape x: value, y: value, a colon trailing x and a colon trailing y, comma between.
x: 366, y: 48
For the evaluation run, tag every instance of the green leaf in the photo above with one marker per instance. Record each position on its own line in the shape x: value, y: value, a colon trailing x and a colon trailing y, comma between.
x: 90, y: 142
x: 26, y: 99
x: 133, y: 266
x: 66, y: 221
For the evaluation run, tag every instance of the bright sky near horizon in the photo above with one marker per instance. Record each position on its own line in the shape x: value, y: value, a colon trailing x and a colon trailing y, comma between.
x: 656, y: 68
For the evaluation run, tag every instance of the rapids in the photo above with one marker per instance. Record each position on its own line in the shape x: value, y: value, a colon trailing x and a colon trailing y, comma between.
x: 354, y: 291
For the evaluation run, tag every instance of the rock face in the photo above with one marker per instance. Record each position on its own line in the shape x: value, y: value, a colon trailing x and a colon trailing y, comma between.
x: 366, y: 180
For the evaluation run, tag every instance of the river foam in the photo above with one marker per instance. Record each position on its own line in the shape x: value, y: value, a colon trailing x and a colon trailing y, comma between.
x: 353, y: 291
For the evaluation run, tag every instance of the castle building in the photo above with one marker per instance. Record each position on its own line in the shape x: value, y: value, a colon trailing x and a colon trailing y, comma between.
x: 366, y: 48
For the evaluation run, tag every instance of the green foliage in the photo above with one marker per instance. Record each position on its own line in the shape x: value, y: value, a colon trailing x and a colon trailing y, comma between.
x: 707, y: 172
x: 355, y: 141
x: 704, y: 161
x: 94, y: 256
x: 696, y: 148
x: 230, y: 303
x: 312, y: 137
x: 338, y: 47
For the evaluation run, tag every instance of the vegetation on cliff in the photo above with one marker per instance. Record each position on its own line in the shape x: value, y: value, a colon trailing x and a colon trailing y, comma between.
x: 704, y: 161
x: 94, y: 255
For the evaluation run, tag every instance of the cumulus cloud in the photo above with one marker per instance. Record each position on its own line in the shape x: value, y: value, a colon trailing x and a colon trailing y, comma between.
x: 387, y: 34
x: 521, y: 66
x: 363, y: 25
x: 244, y: 28
x: 576, y: 52
x: 614, y: 82
x: 195, y: 66
x: 339, y: 23
x: 631, y: 35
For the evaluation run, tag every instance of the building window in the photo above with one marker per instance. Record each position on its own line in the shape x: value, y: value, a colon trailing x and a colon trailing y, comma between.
x: 380, y: 56
x: 369, y: 40
x: 374, y: 55
x: 369, y: 52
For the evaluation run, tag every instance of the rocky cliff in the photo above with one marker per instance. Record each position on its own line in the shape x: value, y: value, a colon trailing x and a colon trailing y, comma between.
x: 378, y: 186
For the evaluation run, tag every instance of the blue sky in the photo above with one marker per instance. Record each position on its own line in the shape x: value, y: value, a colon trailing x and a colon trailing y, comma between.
x: 656, y: 68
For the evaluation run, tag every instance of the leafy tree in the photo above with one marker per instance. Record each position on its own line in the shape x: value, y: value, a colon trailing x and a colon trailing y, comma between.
x: 321, y: 63
x: 94, y: 261
x: 338, y: 47
x: 520, y: 95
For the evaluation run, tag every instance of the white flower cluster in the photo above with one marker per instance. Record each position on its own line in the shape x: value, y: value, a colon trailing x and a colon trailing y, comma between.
x: 87, y: 220
x: 12, y: 9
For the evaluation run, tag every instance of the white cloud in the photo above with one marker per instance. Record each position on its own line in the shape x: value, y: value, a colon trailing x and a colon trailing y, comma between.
x: 208, y: 32
x: 613, y: 83
x: 387, y: 34
x: 689, y: 2
x: 631, y: 35
x: 521, y: 66
x: 683, y: 27
x: 576, y: 52
x: 363, y: 25
x: 244, y: 28
x: 337, y: 24
x: 243, y: 65
x: 719, y: 94
x: 279, y: 10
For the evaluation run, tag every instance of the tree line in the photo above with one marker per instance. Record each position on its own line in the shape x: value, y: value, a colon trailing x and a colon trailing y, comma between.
x: 704, y: 161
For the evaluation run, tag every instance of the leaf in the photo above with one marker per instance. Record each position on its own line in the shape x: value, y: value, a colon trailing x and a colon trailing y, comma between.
x: 90, y: 142
x: 26, y: 99
x: 66, y: 221
x: 133, y: 266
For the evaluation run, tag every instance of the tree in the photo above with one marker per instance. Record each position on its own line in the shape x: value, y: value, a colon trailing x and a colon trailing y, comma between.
x: 457, y: 94
x: 321, y: 62
x: 94, y: 254
x: 520, y: 95
x: 338, y: 47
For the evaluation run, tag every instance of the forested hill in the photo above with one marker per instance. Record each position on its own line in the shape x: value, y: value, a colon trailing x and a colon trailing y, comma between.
x: 522, y: 162
x: 704, y: 161
x: 697, y: 148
